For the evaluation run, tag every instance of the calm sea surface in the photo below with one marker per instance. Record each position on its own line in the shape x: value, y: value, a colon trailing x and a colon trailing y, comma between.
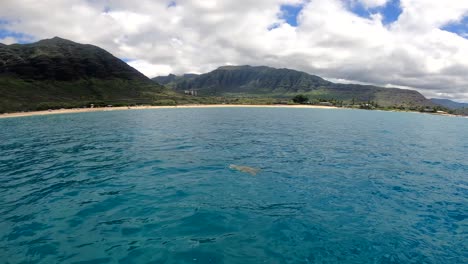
x: 154, y: 186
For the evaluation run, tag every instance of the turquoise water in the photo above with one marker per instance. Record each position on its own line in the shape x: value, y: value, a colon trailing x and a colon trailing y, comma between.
x: 154, y: 186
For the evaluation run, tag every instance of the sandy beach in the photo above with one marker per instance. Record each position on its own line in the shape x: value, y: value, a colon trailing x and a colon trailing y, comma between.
x: 125, y: 108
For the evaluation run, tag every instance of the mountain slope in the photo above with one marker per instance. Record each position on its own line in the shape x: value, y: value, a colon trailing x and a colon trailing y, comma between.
x: 164, y: 80
x: 252, y: 80
x: 60, y: 73
x: 449, y: 103
x: 284, y: 83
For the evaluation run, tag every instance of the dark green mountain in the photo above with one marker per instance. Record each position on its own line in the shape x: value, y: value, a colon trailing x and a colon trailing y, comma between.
x: 248, y: 81
x: 164, y: 80
x: 449, y: 103
x: 245, y: 79
x: 56, y: 72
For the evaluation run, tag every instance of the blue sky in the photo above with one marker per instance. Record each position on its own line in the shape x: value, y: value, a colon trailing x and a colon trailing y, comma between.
x: 391, y: 11
x: 20, y: 37
x: 5, y: 33
x: 460, y: 28
x: 290, y: 13
x: 172, y: 4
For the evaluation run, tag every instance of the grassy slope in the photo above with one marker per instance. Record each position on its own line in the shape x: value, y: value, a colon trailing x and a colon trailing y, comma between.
x: 21, y: 95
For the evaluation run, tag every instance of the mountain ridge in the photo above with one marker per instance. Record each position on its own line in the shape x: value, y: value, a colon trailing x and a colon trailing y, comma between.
x: 64, y: 60
x: 246, y: 80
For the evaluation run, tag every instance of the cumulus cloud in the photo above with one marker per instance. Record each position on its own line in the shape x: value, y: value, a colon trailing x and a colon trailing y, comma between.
x: 373, y: 3
x: 8, y: 40
x: 150, y: 69
x: 329, y: 40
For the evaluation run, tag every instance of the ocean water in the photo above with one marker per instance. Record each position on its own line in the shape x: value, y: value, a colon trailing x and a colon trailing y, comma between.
x: 154, y: 186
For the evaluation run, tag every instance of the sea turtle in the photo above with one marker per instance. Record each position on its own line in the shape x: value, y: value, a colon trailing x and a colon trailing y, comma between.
x: 245, y: 169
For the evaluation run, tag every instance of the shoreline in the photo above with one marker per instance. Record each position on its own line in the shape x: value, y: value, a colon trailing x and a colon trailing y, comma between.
x: 126, y: 108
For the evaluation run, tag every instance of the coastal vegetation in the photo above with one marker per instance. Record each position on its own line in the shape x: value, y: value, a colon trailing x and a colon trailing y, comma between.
x: 300, y: 99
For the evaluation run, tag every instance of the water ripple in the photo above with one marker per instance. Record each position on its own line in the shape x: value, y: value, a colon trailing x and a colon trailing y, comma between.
x: 154, y: 187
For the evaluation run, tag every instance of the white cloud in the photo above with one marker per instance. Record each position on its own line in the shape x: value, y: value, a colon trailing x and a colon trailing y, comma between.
x: 426, y: 15
x: 330, y: 40
x: 373, y: 3
x: 129, y: 22
x: 149, y: 69
x: 8, y: 40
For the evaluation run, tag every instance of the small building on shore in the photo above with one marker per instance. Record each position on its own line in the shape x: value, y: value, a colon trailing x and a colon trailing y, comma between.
x: 191, y: 92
